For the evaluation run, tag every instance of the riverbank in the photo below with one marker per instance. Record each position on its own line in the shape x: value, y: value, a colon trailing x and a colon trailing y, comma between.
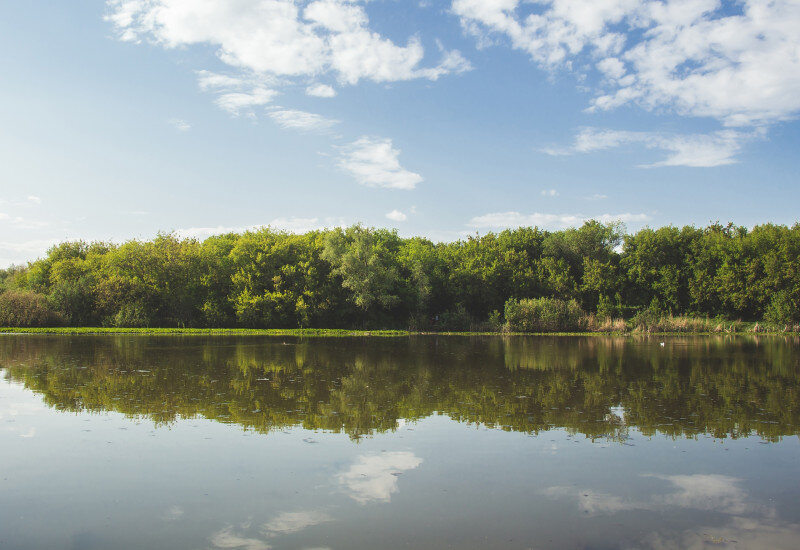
x: 680, y: 328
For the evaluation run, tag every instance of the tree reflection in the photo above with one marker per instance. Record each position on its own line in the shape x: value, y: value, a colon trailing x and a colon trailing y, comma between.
x: 597, y: 386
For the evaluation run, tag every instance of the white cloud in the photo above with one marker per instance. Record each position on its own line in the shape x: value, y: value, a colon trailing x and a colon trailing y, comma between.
x: 695, y: 150
x: 34, y: 199
x: 18, y: 253
x: 19, y: 222
x: 596, y: 197
x: 180, y: 125
x: 502, y: 220
x: 288, y: 38
x: 238, y: 102
x: 396, y: 216
x: 374, y: 162
x: 301, y: 120
x: 292, y: 522
x: 374, y: 477
x: 291, y: 225
x: 692, y: 56
x: 208, y: 80
x: 549, y: 193
x: 320, y: 90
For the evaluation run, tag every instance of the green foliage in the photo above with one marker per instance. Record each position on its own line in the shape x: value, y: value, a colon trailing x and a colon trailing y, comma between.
x: 781, y: 310
x: 544, y: 315
x: 606, y: 308
x: 22, y: 308
x: 366, y: 261
x: 371, y: 278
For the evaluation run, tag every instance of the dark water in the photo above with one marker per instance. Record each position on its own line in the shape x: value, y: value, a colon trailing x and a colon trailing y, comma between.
x: 422, y: 442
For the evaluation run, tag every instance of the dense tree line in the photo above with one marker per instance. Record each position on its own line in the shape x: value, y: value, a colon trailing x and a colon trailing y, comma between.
x: 362, y: 277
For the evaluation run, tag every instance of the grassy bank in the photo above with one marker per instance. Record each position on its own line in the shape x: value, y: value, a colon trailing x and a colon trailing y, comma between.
x: 214, y: 331
x: 591, y: 327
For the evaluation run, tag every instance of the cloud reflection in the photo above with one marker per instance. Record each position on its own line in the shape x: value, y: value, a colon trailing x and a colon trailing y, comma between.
x: 749, y: 524
x: 173, y: 513
x: 292, y: 522
x: 374, y: 477
x: 716, y: 493
x: 227, y: 538
x: 740, y: 532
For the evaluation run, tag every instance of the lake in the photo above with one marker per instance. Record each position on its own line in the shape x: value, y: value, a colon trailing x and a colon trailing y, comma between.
x: 207, y: 442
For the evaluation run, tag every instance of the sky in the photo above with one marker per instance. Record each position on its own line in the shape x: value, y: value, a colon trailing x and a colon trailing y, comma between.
x: 449, y: 118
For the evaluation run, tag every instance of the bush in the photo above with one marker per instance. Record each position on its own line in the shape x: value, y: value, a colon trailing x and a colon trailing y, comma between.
x: 22, y: 308
x: 544, y: 315
x: 455, y: 321
x: 130, y: 315
x: 780, y: 310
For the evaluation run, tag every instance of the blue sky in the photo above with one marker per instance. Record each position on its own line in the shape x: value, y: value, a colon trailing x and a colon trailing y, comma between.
x: 122, y: 118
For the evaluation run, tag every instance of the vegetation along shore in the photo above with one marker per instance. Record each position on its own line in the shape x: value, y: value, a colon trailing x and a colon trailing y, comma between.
x: 597, y: 278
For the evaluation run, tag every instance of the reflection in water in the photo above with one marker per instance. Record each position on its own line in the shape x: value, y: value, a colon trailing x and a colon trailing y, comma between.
x: 715, y: 493
x: 174, y: 513
x: 751, y: 524
x: 292, y: 522
x: 373, y: 478
x: 285, y: 523
x: 228, y: 538
x: 598, y: 386
x: 740, y: 532
x: 418, y: 476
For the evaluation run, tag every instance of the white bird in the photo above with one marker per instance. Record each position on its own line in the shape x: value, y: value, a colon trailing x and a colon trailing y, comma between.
x: 661, y: 344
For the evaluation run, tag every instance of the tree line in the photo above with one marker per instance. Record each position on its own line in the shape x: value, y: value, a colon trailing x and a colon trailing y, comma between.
x: 360, y: 277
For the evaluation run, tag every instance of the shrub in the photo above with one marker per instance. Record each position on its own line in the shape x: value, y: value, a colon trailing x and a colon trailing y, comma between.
x: 22, y: 308
x: 130, y: 315
x: 780, y: 310
x: 544, y: 315
x: 458, y: 320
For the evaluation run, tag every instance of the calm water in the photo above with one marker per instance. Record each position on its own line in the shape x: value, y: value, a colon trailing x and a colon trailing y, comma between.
x: 424, y: 442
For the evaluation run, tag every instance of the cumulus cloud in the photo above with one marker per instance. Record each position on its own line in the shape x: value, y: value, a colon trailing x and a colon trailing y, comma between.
x: 696, y: 57
x: 374, y: 162
x: 695, y: 150
x: 320, y: 90
x: 301, y: 120
x: 237, y: 103
x: 549, y: 193
x: 374, y: 477
x: 284, y: 38
x: 503, y: 220
x: 34, y: 199
x: 396, y: 216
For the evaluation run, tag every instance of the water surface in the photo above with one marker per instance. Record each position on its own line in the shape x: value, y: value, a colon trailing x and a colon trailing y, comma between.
x: 420, y: 442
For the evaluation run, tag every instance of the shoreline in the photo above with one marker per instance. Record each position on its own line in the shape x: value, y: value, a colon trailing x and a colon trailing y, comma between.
x: 357, y: 333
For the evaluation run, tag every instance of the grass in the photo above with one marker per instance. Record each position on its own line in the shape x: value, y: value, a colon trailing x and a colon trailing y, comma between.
x: 204, y: 331
x: 664, y: 326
